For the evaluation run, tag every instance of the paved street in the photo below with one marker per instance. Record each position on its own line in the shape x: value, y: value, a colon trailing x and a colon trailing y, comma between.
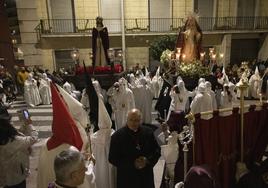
x: 42, y: 119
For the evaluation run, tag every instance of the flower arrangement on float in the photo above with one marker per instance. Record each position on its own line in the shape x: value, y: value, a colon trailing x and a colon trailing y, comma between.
x: 195, y: 68
x: 192, y: 69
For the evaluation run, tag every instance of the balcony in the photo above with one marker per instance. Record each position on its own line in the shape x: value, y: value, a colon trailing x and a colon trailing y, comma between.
x: 152, y: 26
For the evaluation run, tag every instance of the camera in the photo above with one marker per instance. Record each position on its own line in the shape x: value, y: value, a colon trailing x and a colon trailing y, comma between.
x: 26, y: 114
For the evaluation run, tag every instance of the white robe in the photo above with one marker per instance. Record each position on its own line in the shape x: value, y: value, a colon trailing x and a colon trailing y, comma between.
x: 213, y: 97
x: 31, y: 93
x: 202, y: 102
x: 100, y: 141
x: 170, y: 152
x: 45, y: 169
x: 226, y: 102
x: 157, y: 83
x: 143, y: 101
x: 122, y: 102
x: 255, y: 86
x: 45, y: 92
x: 179, y: 101
x: 104, y: 171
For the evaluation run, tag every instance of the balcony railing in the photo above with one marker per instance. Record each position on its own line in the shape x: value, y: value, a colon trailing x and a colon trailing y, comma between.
x: 143, y: 25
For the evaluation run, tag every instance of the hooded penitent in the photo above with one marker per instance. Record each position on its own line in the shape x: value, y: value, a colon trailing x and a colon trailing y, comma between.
x: 64, y: 129
x: 78, y: 114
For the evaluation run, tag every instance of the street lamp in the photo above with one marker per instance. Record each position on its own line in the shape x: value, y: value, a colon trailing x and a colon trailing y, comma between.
x: 75, y: 57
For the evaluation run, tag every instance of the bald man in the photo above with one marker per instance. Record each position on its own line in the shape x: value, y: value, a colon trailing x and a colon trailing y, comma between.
x: 134, y: 152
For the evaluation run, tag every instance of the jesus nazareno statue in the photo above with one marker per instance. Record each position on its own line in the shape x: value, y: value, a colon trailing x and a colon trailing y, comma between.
x: 189, y: 40
x: 100, y: 44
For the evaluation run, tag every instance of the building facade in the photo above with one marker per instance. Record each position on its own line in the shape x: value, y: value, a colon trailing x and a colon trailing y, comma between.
x: 50, y: 29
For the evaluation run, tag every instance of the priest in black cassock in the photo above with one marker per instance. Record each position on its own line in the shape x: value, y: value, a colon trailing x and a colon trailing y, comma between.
x: 134, y: 151
x: 100, y: 44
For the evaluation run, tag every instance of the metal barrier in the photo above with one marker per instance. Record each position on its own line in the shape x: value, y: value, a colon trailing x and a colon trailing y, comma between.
x: 145, y: 25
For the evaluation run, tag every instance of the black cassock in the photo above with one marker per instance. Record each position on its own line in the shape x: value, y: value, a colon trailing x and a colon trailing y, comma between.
x: 127, y: 145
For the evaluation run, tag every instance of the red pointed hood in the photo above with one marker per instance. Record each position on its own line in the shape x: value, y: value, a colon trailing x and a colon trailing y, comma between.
x: 64, y: 129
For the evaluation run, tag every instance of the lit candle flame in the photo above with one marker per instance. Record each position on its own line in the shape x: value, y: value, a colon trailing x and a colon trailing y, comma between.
x: 183, y: 56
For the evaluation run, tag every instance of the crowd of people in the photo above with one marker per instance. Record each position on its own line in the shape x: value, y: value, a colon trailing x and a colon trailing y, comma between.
x: 125, y: 141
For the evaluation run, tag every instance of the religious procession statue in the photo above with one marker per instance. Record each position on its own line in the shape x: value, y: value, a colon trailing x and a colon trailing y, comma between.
x: 100, y: 44
x: 187, y: 59
x: 189, y: 40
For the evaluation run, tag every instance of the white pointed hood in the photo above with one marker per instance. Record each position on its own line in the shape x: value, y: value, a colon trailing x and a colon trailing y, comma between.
x: 224, y: 76
x: 257, y: 71
x: 147, y: 74
x: 75, y: 107
x: 157, y: 74
x: 104, y: 118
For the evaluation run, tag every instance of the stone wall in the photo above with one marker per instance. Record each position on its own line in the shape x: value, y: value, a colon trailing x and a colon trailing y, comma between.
x: 263, y: 8
x: 227, y: 8
x: 86, y: 9
x: 182, y: 8
x: 136, y: 9
x: 263, y: 53
x: 137, y: 55
x: 28, y: 17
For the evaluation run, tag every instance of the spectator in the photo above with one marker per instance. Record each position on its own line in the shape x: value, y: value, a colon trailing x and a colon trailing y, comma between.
x: 199, y: 177
x: 256, y: 176
x: 3, y: 100
x: 22, y: 75
x: 69, y: 168
x: 14, y: 152
x: 134, y: 151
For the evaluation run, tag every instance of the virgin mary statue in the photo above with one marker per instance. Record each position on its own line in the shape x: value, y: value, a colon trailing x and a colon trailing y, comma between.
x: 189, y: 40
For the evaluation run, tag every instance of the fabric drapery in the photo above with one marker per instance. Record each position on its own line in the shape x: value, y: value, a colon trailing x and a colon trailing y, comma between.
x: 217, y: 142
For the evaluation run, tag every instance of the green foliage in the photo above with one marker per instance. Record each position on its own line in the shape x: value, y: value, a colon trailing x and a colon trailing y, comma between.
x: 165, y: 56
x: 192, y: 69
x: 161, y: 44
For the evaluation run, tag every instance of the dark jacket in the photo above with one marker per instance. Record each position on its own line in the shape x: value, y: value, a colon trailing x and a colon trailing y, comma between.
x: 125, y: 147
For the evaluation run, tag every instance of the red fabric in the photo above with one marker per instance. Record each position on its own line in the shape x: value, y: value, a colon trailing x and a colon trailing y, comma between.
x: 206, y: 136
x: 100, y: 69
x: 64, y: 128
x: 251, y: 127
x: 262, y: 134
x: 228, y: 129
x: 217, y: 143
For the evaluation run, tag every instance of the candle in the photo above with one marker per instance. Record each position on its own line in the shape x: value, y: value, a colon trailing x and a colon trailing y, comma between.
x: 183, y: 57
x: 260, y: 98
x: 178, y: 56
x: 202, y: 54
x: 213, y: 56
